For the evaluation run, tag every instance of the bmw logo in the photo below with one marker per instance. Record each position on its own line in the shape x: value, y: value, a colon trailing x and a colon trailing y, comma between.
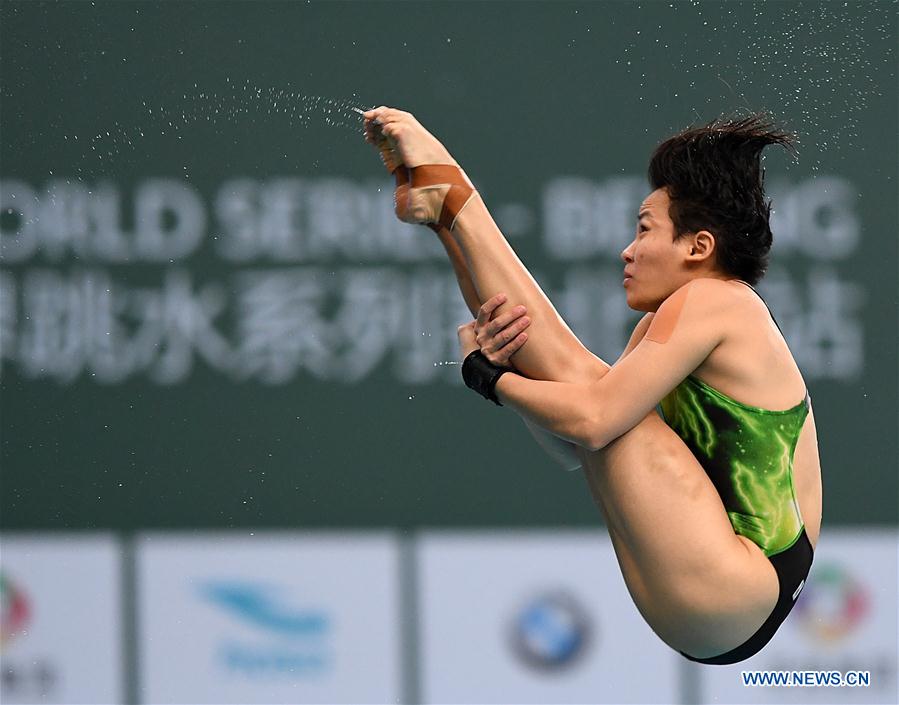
x: 551, y: 631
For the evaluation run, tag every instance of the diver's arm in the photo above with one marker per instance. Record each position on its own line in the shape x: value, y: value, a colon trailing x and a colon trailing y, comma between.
x: 637, y: 335
x: 679, y: 337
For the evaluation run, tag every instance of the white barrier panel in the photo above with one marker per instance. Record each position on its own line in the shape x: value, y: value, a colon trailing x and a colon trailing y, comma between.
x: 61, y: 619
x: 268, y: 618
x: 845, y: 619
x: 534, y: 617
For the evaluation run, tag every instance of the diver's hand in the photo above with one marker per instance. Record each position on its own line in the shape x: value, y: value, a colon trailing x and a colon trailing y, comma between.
x: 501, y: 337
x: 412, y: 142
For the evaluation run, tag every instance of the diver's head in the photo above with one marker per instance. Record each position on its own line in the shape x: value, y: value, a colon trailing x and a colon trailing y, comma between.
x: 707, y: 215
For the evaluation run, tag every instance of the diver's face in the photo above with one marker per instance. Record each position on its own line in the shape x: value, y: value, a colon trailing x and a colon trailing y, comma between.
x: 654, y: 261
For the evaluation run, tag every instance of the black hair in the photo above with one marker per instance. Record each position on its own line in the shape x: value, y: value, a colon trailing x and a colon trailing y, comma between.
x: 715, y: 182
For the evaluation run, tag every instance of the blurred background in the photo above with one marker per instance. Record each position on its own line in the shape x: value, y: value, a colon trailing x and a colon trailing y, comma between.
x: 237, y: 460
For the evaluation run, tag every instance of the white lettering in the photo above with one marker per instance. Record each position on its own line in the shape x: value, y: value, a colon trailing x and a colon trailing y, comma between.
x: 582, y: 219
x: 816, y: 217
x: 592, y: 302
x: 235, y: 207
x: 281, y: 326
x: 52, y: 336
x: 426, y: 337
x: 7, y: 316
x: 17, y: 199
x: 821, y: 321
x: 157, y: 198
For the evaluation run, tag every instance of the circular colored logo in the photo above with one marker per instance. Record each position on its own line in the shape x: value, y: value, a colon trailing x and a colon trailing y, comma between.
x: 832, y: 604
x: 551, y: 631
x: 13, y: 610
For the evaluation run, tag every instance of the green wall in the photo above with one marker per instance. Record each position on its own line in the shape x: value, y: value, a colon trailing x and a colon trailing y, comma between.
x: 218, y: 322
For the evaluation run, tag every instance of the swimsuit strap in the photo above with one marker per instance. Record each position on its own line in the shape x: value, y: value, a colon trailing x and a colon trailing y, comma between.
x: 808, y: 400
x: 763, y: 301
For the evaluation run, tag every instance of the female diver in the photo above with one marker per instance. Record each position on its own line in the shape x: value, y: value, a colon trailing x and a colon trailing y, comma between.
x: 714, y: 511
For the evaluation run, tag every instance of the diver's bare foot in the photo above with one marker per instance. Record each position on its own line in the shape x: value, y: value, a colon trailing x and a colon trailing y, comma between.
x: 413, y: 143
x: 431, y: 189
x: 432, y: 194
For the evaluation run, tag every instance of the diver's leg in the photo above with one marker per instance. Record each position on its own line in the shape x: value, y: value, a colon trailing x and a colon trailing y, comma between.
x: 460, y: 268
x: 560, y: 450
x: 701, y: 587
x: 430, y: 188
x: 552, y: 351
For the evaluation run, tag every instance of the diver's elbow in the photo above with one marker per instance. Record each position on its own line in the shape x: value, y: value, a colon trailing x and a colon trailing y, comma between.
x: 594, y: 444
x: 594, y: 435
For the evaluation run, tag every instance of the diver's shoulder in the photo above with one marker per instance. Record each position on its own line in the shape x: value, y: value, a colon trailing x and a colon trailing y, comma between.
x: 713, y: 284
x: 717, y: 304
x: 730, y: 305
x: 709, y: 293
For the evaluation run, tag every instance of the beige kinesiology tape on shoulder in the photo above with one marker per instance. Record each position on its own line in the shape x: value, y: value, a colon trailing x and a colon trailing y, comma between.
x: 665, y: 320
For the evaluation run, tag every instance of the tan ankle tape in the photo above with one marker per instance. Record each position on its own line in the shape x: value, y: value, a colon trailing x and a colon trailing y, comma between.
x: 450, y: 213
x: 402, y: 175
x: 460, y: 192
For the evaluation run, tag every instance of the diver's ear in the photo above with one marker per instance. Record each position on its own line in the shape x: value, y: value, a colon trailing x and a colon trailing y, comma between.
x: 701, y: 246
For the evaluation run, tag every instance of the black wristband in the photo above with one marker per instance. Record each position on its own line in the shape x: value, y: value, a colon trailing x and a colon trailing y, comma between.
x: 481, y: 375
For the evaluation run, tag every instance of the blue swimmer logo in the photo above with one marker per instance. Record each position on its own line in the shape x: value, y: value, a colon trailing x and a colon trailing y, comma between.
x: 296, y: 642
x: 551, y: 632
x: 260, y: 606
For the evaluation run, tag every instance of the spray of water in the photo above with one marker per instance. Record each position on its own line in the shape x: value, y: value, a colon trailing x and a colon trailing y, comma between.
x: 811, y: 61
x: 235, y: 104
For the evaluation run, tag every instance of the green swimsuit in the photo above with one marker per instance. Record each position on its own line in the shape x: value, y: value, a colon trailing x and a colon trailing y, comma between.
x: 747, y: 452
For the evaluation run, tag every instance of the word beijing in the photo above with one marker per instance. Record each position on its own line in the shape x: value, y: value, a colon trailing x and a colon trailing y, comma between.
x: 301, y: 220
x: 315, y: 278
